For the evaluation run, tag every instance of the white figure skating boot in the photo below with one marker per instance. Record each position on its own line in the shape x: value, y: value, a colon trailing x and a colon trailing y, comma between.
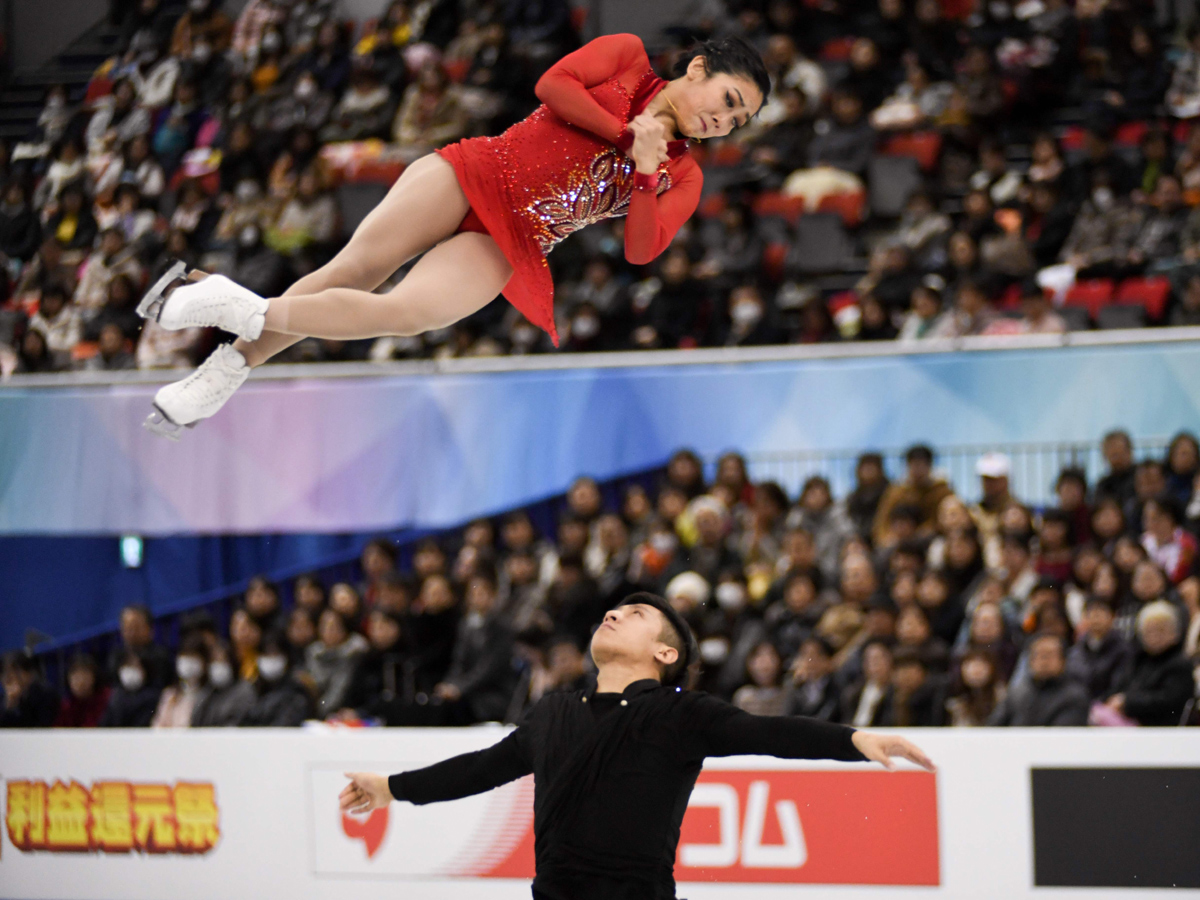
x: 184, y: 403
x: 212, y: 302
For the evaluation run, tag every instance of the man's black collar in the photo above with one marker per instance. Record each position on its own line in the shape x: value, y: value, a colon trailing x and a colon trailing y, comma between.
x: 633, y: 688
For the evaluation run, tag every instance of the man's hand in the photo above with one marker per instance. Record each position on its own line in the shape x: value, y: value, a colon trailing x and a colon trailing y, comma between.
x: 365, y: 792
x: 881, y: 748
x: 649, y: 143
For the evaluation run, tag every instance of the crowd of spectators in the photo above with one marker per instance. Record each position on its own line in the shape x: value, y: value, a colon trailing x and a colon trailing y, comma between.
x: 1057, y: 143
x: 899, y: 604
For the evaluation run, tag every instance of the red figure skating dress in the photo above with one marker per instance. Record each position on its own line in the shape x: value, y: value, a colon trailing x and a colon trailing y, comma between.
x: 565, y: 166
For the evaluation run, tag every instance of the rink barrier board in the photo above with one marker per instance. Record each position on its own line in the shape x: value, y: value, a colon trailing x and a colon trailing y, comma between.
x: 119, y: 814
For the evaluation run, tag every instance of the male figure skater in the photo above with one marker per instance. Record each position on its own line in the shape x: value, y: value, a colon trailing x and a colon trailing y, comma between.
x: 614, y: 767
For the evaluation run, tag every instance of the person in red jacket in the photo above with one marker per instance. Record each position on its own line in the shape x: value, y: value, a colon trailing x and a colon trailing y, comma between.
x: 610, y: 139
x: 86, y: 697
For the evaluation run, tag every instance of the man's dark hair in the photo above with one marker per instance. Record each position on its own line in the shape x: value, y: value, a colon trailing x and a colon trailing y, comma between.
x: 867, y: 458
x: 920, y: 452
x: 675, y: 633
x: 773, y: 492
x: 733, y: 56
x: 1052, y: 635
x: 141, y: 609
x: 907, y: 656
x: 384, y: 546
x: 909, y: 511
x: 1072, y: 473
x: 1170, y: 507
x: 83, y: 661
x: 1117, y: 434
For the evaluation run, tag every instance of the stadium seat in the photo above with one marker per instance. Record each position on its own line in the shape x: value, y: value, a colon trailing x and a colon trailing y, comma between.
x: 773, y: 258
x: 1150, y: 293
x: 849, y: 206
x: 1072, y: 139
x: 1091, y: 294
x: 1078, y: 318
x: 923, y: 146
x: 1119, y: 315
x: 1130, y: 134
x: 773, y: 203
x: 1010, y: 299
x: 822, y: 245
x: 891, y: 180
x: 838, y: 49
x: 712, y: 205
x: 727, y: 153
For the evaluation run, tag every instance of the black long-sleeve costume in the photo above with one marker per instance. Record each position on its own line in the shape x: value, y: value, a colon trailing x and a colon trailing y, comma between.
x: 612, y: 775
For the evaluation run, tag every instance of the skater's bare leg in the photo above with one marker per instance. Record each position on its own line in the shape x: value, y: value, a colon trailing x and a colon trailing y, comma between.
x: 423, y: 208
x: 453, y: 280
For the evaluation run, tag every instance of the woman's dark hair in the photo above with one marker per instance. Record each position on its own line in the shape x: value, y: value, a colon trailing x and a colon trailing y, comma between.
x: 733, y: 56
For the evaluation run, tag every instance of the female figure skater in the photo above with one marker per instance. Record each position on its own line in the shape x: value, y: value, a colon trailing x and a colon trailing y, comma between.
x: 610, y: 139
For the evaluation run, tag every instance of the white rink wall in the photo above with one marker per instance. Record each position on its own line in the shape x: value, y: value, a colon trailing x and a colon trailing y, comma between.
x: 240, y: 813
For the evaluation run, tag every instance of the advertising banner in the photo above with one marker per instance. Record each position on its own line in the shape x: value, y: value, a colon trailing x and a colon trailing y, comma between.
x: 1009, y: 814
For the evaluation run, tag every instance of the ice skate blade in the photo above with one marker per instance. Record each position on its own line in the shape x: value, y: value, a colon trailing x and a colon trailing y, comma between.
x: 158, y: 423
x: 152, y: 303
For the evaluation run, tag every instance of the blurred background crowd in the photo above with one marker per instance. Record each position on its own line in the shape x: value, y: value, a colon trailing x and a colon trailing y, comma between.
x: 898, y: 604
x: 924, y: 168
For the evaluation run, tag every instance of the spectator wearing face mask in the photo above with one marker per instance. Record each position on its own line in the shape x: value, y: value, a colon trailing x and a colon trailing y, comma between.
x: 135, y: 698
x: 178, y: 702
x: 203, y: 24
x: 750, y: 320
x: 280, y: 700
x: 225, y: 699
x: 305, y: 105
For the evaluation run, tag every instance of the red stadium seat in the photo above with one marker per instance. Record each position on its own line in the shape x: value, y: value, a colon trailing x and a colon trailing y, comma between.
x: 727, y: 153
x: 1152, y: 293
x: 1010, y: 299
x: 712, y: 205
x: 1093, y: 294
x: 1072, y: 138
x: 773, y: 203
x: 923, y: 146
x: 837, y: 50
x: 1130, y: 134
x: 773, y: 258
x: 849, y: 206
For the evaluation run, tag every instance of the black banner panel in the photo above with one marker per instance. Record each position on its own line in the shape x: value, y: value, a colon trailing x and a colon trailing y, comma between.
x: 1116, y: 827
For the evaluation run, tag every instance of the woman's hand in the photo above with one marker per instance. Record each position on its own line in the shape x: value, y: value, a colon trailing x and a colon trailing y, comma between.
x: 365, y: 792
x: 649, y: 148
x: 881, y: 748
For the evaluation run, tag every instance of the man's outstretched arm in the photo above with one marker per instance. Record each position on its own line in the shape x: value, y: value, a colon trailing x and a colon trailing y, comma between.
x: 725, y: 730
x: 459, y: 776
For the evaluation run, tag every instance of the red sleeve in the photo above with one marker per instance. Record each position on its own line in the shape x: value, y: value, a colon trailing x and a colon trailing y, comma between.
x: 564, y: 87
x: 654, y: 218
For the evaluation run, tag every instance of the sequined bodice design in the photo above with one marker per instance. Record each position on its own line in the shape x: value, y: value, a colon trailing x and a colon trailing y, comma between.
x: 565, y: 178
